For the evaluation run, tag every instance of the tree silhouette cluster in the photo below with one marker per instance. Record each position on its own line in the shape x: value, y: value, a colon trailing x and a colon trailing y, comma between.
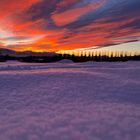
x: 99, y: 57
x: 83, y: 57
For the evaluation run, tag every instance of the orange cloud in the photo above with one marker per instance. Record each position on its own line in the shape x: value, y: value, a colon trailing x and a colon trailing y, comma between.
x: 8, y: 7
x: 41, y: 25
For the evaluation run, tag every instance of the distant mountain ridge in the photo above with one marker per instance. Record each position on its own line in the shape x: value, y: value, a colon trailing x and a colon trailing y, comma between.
x: 9, y: 52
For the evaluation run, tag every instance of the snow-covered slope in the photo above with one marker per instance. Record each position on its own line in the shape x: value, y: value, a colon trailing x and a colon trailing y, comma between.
x: 60, y: 101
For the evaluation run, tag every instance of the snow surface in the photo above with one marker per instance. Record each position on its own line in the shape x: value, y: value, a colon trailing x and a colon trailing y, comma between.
x: 74, y: 101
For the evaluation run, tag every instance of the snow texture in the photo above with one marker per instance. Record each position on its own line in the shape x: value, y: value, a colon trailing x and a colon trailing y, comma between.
x: 74, y: 101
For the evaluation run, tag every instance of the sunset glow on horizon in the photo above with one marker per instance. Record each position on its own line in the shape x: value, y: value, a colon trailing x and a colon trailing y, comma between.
x: 59, y: 25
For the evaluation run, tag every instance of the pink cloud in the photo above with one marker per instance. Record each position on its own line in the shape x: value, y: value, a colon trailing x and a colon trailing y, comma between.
x: 71, y: 15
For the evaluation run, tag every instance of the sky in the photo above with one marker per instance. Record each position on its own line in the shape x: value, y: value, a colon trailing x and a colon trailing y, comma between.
x: 57, y: 25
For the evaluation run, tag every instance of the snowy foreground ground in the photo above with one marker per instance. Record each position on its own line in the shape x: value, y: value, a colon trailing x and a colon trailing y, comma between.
x: 68, y: 101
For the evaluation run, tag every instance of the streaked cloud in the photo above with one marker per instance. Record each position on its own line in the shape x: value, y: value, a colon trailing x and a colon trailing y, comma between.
x: 68, y: 24
x: 19, y: 40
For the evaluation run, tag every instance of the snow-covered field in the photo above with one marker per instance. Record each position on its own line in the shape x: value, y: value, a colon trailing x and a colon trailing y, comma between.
x: 68, y: 101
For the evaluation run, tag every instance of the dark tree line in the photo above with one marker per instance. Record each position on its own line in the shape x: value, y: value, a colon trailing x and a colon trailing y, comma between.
x: 99, y: 57
x: 83, y: 57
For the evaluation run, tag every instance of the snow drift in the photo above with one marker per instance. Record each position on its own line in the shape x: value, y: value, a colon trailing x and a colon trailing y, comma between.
x: 60, y: 101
